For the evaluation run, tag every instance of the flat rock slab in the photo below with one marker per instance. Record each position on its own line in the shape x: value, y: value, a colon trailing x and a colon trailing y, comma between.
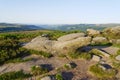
x: 71, y: 42
x: 71, y: 36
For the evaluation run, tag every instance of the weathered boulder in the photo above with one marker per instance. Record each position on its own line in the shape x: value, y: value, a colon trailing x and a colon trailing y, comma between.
x: 93, y: 32
x: 71, y: 36
x: 117, y: 57
x: 112, y: 32
x: 100, y: 52
x: 52, y: 46
x: 115, y: 41
x: 41, y: 44
x: 99, y: 40
x: 71, y: 45
x: 96, y: 58
x: 104, y: 53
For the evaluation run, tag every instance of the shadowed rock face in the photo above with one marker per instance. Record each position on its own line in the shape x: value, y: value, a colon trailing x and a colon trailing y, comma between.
x: 44, y: 44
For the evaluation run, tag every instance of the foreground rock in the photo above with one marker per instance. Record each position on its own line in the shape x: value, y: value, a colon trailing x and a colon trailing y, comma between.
x: 70, y: 44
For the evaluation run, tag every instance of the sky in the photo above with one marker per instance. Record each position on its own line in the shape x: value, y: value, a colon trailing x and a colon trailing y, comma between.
x: 60, y: 11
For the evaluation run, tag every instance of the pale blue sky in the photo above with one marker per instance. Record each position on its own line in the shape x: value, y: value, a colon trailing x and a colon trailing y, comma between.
x: 60, y: 11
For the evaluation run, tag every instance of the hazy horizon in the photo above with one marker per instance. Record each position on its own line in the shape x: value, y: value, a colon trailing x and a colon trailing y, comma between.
x: 60, y: 12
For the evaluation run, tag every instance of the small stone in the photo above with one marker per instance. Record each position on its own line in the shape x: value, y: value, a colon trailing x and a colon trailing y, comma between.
x: 96, y: 58
x: 117, y: 57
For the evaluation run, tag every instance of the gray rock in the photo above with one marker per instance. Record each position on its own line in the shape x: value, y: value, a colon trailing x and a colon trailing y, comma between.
x: 104, y: 53
x: 101, y: 52
x: 99, y: 40
x: 44, y: 44
x: 92, y: 32
x: 71, y: 36
x: 71, y: 45
x: 117, y: 57
x: 96, y: 58
x: 46, y: 78
x: 41, y: 44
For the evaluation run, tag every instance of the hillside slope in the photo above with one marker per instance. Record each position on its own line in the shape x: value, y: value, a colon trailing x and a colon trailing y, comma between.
x: 5, y: 27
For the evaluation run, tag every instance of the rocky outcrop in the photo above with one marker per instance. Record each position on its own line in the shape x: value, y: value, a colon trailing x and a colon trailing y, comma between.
x: 61, y: 46
x: 71, y: 36
x: 41, y: 44
x: 112, y: 33
x: 92, y: 32
x: 71, y: 45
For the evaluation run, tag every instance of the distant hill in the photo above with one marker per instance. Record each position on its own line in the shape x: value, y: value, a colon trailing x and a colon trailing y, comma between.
x: 81, y: 27
x: 6, y: 27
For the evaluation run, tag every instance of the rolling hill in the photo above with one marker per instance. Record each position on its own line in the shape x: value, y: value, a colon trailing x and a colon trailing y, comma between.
x: 81, y: 27
x: 6, y: 27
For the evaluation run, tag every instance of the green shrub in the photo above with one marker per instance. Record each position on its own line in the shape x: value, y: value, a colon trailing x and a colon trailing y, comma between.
x: 18, y: 60
x: 100, y: 73
x: 62, y: 55
x: 43, y: 54
x: 116, y: 45
x: 83, y: 55
x: 58, y: 76
x: 113, y: 56
x: 118, y: 52
x: 14, y: 75
x: 37, y: 70
x: 116, y: 65
x: 86, y: 56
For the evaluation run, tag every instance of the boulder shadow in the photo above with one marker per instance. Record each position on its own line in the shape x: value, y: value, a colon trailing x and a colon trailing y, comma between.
x: 47, y: 66
x: 67, y: 75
